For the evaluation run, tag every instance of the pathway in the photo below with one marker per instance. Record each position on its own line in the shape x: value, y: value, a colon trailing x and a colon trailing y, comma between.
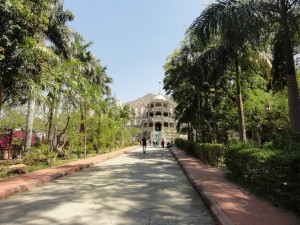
x: 133, y: 188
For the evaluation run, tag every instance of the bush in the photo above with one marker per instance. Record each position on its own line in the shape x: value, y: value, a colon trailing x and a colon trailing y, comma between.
x: 274, y: 174
x: 208, y: 153
x: 36, y: 155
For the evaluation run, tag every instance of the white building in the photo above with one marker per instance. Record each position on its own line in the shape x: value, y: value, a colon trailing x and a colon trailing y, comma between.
x: 153, y: 114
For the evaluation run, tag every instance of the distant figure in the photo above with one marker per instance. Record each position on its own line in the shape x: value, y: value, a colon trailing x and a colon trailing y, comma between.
x: 144, y: 143
x: 163, y: 143
x: 169, y: 144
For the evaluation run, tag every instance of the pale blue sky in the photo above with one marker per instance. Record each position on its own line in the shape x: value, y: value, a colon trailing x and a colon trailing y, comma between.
x: 133, y: 38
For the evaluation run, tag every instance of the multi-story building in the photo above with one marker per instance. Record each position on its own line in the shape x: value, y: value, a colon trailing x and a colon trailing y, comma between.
x: 154, y: 115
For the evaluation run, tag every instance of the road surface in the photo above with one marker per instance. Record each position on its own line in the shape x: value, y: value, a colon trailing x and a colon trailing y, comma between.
x: 132, y: 189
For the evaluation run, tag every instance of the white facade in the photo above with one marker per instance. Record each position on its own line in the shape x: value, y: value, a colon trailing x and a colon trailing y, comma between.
x: 155, y: 118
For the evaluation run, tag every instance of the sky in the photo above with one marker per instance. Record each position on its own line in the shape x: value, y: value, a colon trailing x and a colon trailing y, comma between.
x: 133, y: 38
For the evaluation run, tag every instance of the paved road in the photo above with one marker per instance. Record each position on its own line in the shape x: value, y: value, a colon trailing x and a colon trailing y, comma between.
x: 132, y: 189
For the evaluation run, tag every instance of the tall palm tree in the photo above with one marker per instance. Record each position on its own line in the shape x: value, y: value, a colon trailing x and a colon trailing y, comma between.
x: 283, y: 16
x: 58, y: 32
x: 34, y: 67
x: 228, y: 21
x: 61, y: 36
x: 96, y: 79
x: 276, y: 19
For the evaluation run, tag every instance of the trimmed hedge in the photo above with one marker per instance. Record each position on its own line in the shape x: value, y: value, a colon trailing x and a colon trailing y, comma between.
x: 211, y: 154
x: 275, y: 174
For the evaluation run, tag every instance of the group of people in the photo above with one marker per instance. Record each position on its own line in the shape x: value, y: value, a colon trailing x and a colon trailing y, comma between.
x: 144, y: 143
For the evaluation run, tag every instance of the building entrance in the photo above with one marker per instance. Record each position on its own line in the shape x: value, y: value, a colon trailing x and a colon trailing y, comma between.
x: 158, y: 126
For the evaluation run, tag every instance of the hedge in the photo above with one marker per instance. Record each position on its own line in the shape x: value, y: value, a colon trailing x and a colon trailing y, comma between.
x: 211, y: 154
x: 275, y: 174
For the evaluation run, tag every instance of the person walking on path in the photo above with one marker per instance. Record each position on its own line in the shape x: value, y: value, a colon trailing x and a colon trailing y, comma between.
x: 144, y: 143
x: 162, y: 143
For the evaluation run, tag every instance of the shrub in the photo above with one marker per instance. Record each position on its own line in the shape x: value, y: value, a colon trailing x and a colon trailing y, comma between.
x: 36, y: 155
x: 274, y: 174
x: 208, y: 153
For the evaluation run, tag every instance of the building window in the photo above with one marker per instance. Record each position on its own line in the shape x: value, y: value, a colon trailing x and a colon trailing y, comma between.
x: 145, y: 125
x: 158, y: 114
x: 166, y: 125
x: 151, y: 124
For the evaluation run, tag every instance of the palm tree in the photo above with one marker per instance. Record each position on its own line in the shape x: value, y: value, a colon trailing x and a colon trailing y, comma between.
x: 284, y: 18
x: 278, y: 20
x: 58, y: 32
x: 61, y: 36
x: 34, y: 67
x: 96, y: 80
x: 228, y: 21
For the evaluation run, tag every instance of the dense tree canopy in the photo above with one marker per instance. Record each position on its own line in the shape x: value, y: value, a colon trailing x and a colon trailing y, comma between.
x: 48, y: 65
x: 238, y: 52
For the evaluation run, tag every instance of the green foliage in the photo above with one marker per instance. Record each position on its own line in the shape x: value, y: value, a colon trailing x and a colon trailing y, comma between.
x: 12, y: 117
x: 211, y: 154
x: 36, y: 156
x: 274, y: 174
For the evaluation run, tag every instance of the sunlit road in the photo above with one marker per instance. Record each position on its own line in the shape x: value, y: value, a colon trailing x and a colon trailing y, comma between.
x: 132, y: 189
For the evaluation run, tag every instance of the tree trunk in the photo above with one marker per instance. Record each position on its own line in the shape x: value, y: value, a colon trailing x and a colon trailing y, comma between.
x: 29, y: 124
x: 83, y: 125
x: 241, y: 117
x: 1, y: 95
x: 59, y: 136
x: 199, y: 132
x: 98, y: 135
x: 50, y: 134
x: 256, y: 136
x: 292, y: 85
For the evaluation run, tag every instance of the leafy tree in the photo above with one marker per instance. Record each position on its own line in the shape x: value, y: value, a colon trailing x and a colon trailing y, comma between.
x: 20, y: 20
x: 12, y: 117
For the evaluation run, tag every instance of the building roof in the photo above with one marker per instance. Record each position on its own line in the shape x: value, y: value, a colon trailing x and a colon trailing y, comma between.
x: 159, y: 97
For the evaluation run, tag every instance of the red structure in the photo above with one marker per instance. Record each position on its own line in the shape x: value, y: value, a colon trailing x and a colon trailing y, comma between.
x: 11, y: 143
x: 5, y: 144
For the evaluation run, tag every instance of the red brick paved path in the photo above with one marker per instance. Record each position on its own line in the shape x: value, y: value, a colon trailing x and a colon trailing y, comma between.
x: 229, y: 203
